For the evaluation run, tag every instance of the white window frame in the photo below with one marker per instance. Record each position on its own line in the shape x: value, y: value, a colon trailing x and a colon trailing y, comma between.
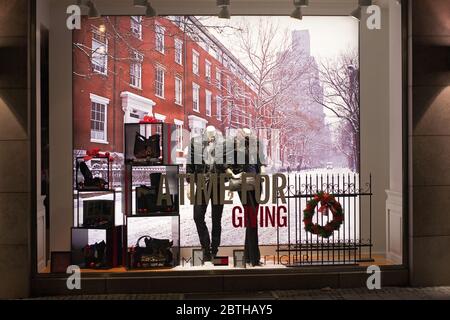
x: 195, y: 97
x: 208, y: 102
x: 136, y: 26
x: 229, y: 85
x: 179, y: 51
x: 208, y: 69
x: 160, y: 35
x: 178, y: 90
x: 161, y: 118
x: 136, y: 73
x: 103, y: 56
x: 162, y: 82
x: 219, y: 102
x: 180, y: 129
x: 195, y: 62
x: 104, y: 102
x: 218, y: 79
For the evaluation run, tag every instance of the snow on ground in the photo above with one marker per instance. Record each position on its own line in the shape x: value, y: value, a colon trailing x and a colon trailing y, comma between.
x: 162, y: 227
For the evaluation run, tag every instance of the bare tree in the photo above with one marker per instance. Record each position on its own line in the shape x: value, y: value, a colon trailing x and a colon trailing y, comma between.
x: 266, y: 51
x: 340, y: 95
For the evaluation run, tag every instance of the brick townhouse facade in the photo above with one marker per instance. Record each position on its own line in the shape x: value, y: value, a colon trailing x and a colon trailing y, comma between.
x: 172, y: 68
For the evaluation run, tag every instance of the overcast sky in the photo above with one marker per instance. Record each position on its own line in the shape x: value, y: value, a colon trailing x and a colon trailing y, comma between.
x: 329, y: 35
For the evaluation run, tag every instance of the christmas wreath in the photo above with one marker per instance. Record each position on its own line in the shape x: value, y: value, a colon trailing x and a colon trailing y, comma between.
x: 327, y: 203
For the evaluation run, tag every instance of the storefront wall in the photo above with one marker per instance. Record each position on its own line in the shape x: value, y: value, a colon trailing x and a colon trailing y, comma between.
x: 429, y: 139
x: 429, y: 234
x: 15, y: 190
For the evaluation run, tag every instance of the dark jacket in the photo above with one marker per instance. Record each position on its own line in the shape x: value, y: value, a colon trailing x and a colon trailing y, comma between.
x: 202, y: 167
x: 253, y: 160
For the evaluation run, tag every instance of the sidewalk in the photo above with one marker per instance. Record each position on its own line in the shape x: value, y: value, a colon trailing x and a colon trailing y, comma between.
x: 432, y: 293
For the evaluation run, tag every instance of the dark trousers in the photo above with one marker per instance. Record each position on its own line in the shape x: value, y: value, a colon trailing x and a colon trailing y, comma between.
x: 206, y: 242
x: 251, y: 249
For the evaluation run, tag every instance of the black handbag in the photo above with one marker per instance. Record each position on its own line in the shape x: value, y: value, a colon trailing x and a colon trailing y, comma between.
x: 95, y: 255
x: 156, y: 253
x: 98, y: 213
x: 147, y: 197
x: 147, y: 148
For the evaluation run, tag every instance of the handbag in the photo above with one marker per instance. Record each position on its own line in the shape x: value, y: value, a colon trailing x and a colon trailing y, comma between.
x: 147, y: 148
x: 98, y: 213
x: 156, y: 253
x: 236, y: 184
x: 95, y: 255
x: 147, y: 197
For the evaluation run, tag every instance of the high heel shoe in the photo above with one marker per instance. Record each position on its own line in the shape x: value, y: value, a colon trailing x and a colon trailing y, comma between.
x: 90, y: 183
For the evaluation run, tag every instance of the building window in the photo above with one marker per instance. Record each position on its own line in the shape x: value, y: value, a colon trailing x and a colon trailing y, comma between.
x: 160, y: 33
x: 136, y: 70
x: 159, y: 82
x: 196, y: 97
x: 208, y: 71
x: 161, y: 118
x: 99, y: 119
x: 229, y: 85
x: 136, y: 26
x: 218, y: 79
x: 178, y: 51
x: 99, y: 52
x: 178, y: 91
x: 179, y: 125
x: 208, y: 103
x: 219, y: 108
x: 195, y: 62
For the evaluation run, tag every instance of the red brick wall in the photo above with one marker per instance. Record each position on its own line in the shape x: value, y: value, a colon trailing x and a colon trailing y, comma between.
x: 118, y: 78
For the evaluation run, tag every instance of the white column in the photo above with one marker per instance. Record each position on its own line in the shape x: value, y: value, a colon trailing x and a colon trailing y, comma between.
x: 394, y: 206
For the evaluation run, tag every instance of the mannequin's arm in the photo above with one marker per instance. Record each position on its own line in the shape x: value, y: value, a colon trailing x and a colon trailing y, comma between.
x: 231, y: 173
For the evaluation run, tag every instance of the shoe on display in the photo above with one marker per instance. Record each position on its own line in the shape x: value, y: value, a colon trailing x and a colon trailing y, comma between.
x: 207, y: 255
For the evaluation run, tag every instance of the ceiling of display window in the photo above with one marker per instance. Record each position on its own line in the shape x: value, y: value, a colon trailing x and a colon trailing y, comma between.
x: 247, y: 7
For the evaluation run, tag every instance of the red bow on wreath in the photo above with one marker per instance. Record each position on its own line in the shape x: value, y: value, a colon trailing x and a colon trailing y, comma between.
x: 149, y: 120
x: 325, y: 204
x: 96, y: 153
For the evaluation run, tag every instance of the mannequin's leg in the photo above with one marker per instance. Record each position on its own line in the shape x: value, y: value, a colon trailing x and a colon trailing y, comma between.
x: 202, y: 229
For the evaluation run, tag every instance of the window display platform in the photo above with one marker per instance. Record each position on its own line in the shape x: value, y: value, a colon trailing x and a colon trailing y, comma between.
x: 120, y: 281
x: 208, y: 266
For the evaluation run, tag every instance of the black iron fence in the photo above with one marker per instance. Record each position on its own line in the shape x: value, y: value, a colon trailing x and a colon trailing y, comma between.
x: 351, y: 244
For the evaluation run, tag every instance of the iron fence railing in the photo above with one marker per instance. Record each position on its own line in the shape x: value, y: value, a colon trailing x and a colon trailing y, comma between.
x: 350, y: 245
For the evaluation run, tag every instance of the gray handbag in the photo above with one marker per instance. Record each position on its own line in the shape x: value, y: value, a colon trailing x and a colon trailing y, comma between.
x: 236, y: 184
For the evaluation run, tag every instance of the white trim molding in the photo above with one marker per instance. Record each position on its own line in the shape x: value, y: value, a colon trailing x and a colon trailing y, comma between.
x: 178, y: 122
x: 132, y: 101
x: 98, y: 99
x: 394, y: 226
x: 197, y: 124
x: 160, y: 117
